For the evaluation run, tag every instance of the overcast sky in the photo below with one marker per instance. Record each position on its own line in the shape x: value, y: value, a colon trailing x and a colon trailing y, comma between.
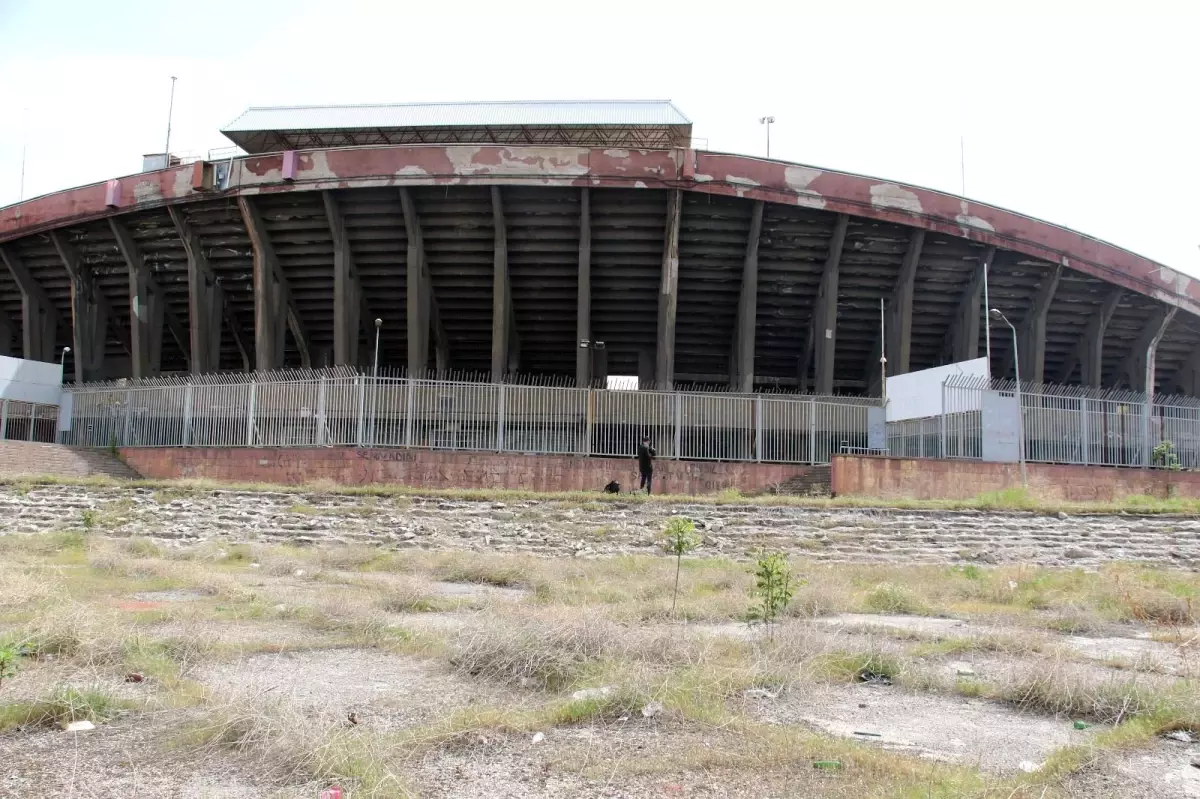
x: 1086, y: 114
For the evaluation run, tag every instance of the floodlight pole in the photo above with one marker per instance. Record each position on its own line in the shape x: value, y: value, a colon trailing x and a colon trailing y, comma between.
x: 170, y: 113
x: 767, y: 121
x: 1020, y: 408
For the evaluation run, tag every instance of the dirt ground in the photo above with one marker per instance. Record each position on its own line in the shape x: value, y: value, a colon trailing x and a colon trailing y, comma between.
x: 212, y: 668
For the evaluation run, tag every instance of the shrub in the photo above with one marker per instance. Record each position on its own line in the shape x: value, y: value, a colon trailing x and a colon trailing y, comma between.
x: 679, y: 539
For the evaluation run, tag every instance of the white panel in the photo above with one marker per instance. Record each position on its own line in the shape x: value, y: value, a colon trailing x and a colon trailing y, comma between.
x: 30, y: 381
x: 918, y: 395
x: 1001, y: 427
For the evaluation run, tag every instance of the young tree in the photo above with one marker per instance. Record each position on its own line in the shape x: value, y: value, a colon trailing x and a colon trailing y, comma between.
x: 772, y: 586
x: 679, y: 539
x: 8, y: 662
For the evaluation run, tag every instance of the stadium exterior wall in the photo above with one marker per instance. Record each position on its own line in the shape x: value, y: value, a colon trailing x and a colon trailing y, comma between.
x: 926, y: 478
x: 706, y: 172
x: 447, y: 470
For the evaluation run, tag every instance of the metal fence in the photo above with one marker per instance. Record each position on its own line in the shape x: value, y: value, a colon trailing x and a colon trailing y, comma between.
x: 25, y: 421
x: 1060, y: 424
x: 342, y: 408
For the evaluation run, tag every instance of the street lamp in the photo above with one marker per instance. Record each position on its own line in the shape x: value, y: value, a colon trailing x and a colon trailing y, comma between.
x: 62, y: 359
x: 375, y: 380
x: 767, y: 121
x: 996, y: 314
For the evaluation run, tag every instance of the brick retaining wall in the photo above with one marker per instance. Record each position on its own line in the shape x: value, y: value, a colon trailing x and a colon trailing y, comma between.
x: 926, y: 478
x: 441, y: 469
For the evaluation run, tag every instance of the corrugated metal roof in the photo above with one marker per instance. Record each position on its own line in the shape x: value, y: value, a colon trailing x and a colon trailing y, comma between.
x: 417, y: 115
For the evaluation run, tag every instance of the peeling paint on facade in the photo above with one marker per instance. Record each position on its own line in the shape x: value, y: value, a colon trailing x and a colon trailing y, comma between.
x: 146, y: 191
x: 889, y: 195
x: 709, y: 173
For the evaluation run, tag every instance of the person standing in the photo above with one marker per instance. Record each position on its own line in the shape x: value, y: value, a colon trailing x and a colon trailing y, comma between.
x: 645, y: 457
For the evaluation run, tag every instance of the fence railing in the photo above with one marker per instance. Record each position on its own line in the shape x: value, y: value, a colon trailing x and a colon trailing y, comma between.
x: 340, y: 408
x: 1059, y: 424
x: 26, y: 421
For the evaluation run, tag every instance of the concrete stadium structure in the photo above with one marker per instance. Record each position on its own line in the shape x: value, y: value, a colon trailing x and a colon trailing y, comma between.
x: 512, y: 239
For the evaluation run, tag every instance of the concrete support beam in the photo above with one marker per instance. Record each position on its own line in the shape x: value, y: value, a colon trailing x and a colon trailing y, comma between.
x: 1089, y: 352
x: 506, y: 348
x: 1031, y: 335
x: 963, y: 342
x: 804, y: 360
x: 349, y: 303
x: 205, y: 299
x: 90, y: 313
x: 583, y: 296
x: 742, y: 360
x: 898, y: 320
x: 899, y: 331
x: 1133, y: 369
x: 274, y: 306
x: 39, y: 316
x: 668, y: 296
x: 824, y: 334
x: 421, y: 305
x: 148, y: 309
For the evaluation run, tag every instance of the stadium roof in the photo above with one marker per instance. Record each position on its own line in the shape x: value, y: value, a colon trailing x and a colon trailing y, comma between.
x: 644, y: 123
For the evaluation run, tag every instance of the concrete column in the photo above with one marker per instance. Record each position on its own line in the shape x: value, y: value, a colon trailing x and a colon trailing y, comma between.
x: 348, y: 300
x: 963, y: 342
x: 1134, y: 367
x: 147, y: 308
x: 89, y: 313
x: 204, y: 299
x: 804, y: 359
x: 899, y: 332
x: 39, y: 316
x: 1187, y: 377
x: 1089, y: 352
x: 505, y: 348
x: 270, y: 303
x: 742, y: 378
x: 416, y: 288
x: 668, y: 296
x: 1032, y: 335
x: 583, y: 296
x: 825, y: 315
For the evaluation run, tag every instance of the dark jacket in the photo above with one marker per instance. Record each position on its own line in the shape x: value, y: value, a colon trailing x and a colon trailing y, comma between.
x: 645, y: 457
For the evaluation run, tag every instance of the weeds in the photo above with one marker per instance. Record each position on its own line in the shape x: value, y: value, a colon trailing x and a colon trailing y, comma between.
x: 772, y: 586
x: 679, y: 539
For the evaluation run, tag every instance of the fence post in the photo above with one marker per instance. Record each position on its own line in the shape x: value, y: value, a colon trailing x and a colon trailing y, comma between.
x: 4, y: 420
x: 812, y: 432
x: 500, y: 400
x: 678, y: 423
x: 360, y: 381
x: 187, y: 415
x: 128, y: 413
x: 589, y: 421
x: 321, y: 438
x: 1085, y: 430
x: 409, y: 412
x: 758, y: 428
x: 32, y: 421
x: 250, y: 411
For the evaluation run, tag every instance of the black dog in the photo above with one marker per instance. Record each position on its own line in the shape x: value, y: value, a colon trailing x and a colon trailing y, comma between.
x: 613, y: 488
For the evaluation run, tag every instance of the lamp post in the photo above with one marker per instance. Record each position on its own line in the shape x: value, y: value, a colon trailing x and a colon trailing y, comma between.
x: 375, y: 381
x: 996, y: 314
x: 767, y: 121
x: 62, y: 359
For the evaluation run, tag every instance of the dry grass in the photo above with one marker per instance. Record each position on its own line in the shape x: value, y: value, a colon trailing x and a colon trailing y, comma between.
x: 581, y: 624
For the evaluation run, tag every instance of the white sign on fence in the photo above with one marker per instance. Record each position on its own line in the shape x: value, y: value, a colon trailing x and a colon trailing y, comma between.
x: 918, y: 395
x: 1001, y: 427
x: 30, y: 381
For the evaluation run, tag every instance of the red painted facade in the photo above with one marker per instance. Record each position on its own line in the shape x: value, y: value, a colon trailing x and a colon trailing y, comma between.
x: 692, y: 170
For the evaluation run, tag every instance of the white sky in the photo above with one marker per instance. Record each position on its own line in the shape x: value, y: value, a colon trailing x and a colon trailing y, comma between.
x: 1082, y: 112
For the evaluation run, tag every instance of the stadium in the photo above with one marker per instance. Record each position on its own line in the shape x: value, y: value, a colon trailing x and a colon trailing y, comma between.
x: 567, y: 242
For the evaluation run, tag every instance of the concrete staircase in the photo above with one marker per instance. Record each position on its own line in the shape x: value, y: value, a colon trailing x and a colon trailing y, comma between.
x: 814, y: 481
x: 31, y: 459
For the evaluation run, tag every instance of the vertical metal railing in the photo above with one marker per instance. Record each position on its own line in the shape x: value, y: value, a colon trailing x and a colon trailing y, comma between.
x: 341, y: 408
